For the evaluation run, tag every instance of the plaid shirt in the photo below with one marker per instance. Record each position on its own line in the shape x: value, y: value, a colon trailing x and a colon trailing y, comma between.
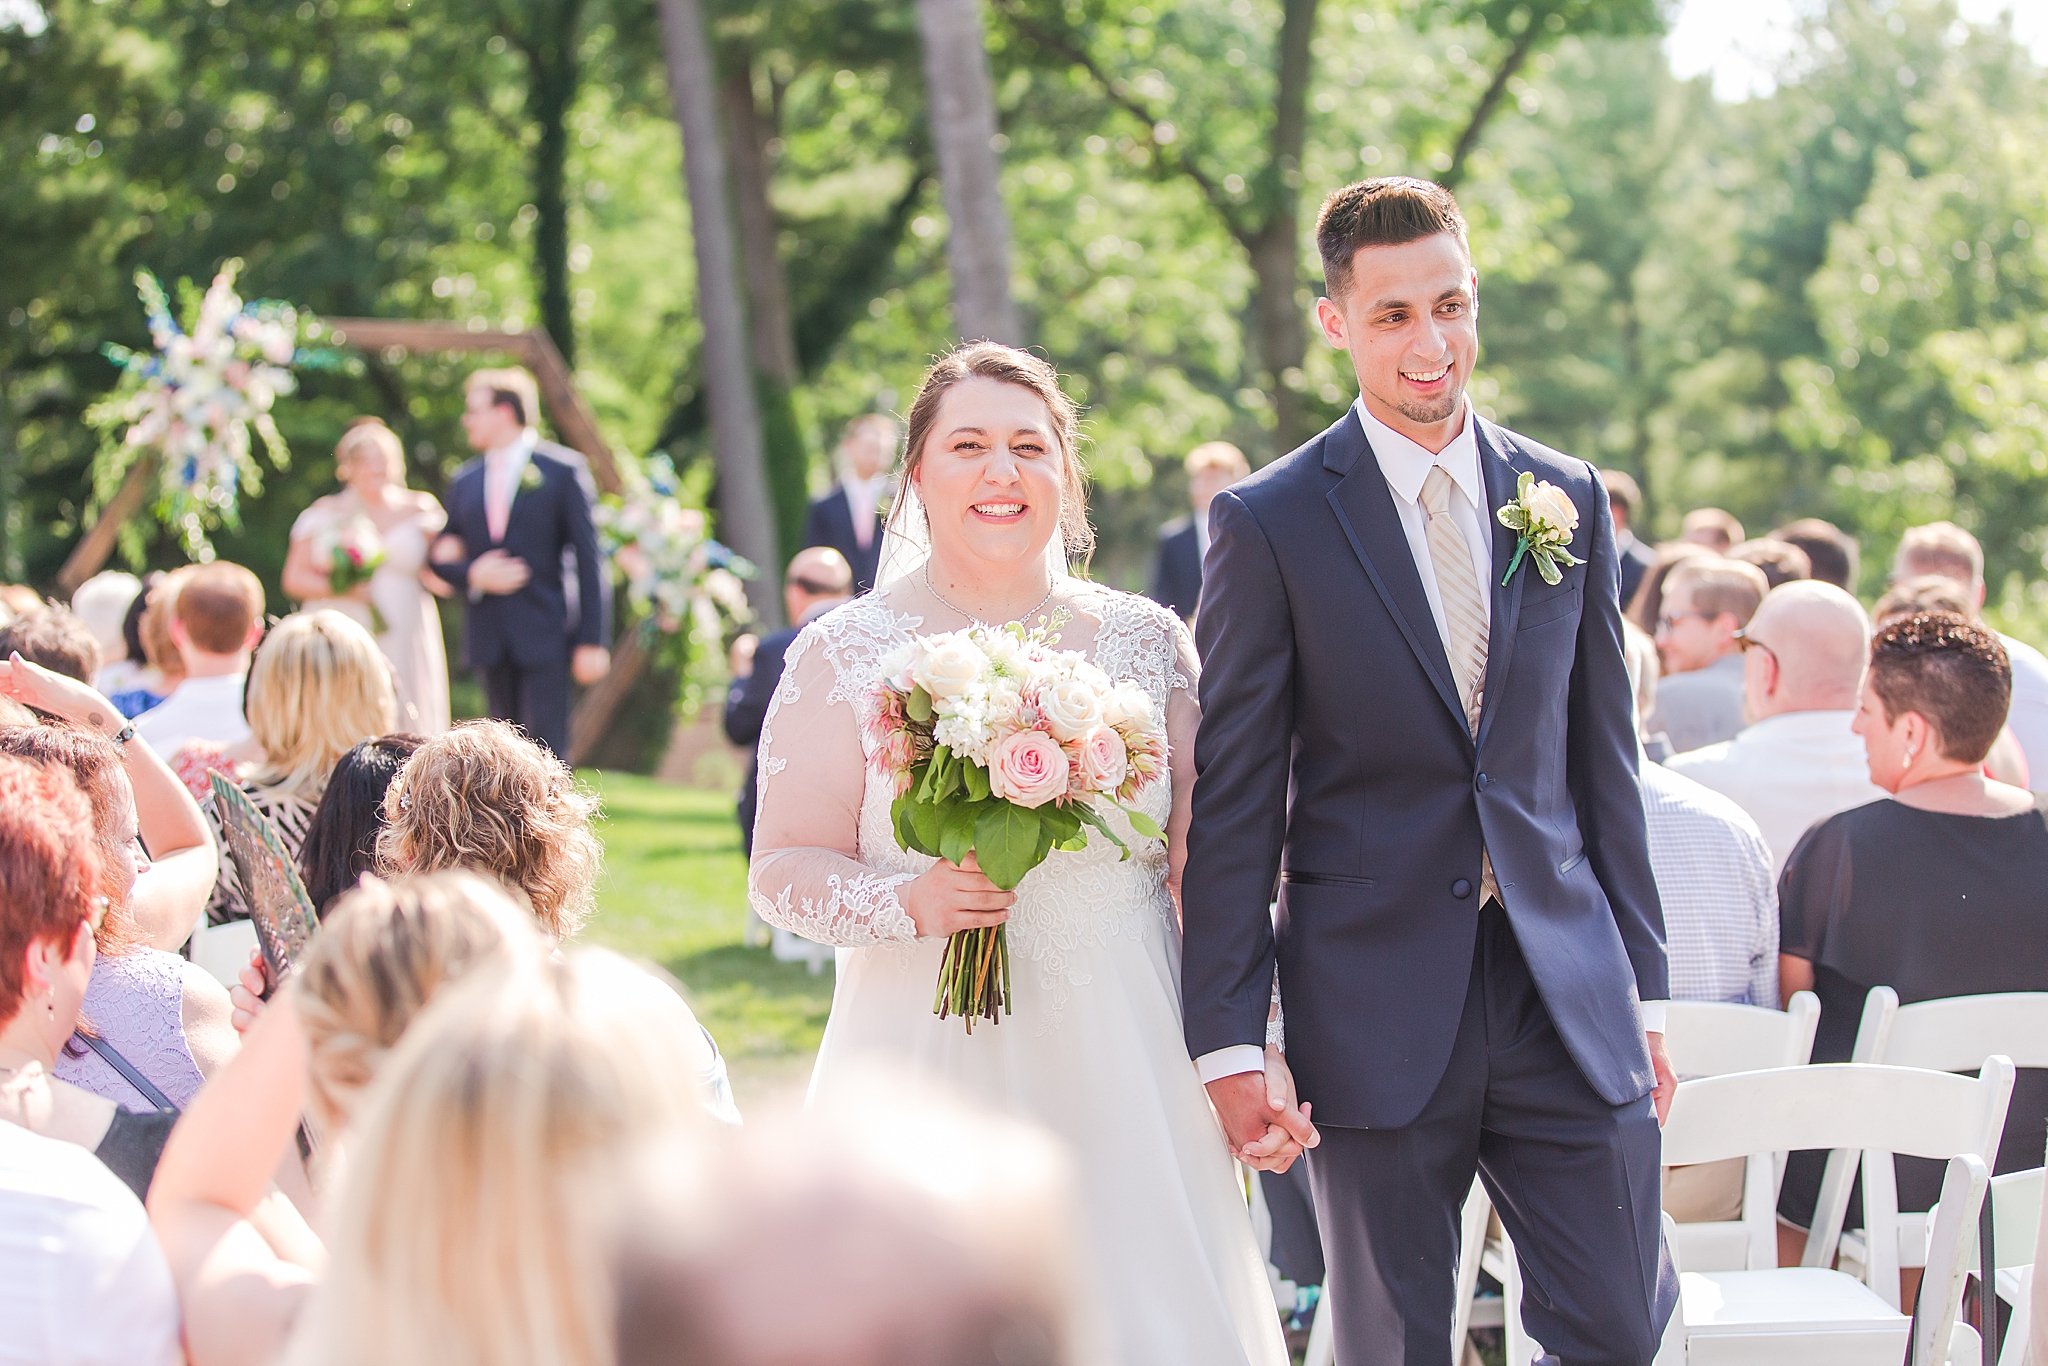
x: 1720, y: 898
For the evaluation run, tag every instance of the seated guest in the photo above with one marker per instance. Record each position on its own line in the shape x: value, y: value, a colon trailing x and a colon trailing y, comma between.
x: 104, y: 603
x: 153, y: 1013
x: 386, y: 951
x: 1946, y: 549
x: 341, y: 838
x: 47, y: 921
x: 499, y: 1125
x: 1714, y: 874
x: 215, y: 621
x: 1713, y: 528
x: 86, y: 1283
x: 1646, y: 604
x: 817, y: 580
x: 160, y: 883
x: 1831, y: 551
x: 1706, y: 601
x: 318, y: 686
x: 481, y: 796
x: 1798, y: 760
x: 1781, y: 561
x: 848, y: 519
x: 2006, y: 762
x: 54, y: 639
x: 1625, y: 500
x: 146, y: 631
x: 1935, y: 892
x: 1176, y: 584
x: 18, y: 600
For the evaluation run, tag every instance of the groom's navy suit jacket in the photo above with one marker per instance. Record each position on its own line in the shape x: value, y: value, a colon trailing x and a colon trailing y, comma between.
x: 1334, y: 754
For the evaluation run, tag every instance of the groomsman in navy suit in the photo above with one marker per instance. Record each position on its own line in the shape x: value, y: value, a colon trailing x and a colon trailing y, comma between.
x: 849, y: 518
x: 521, y: 546
x: 1211, y: 467
x: 1430, y: 745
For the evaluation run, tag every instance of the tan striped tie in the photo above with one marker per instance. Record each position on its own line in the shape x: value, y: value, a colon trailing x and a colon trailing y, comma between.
x: 1457, y: 585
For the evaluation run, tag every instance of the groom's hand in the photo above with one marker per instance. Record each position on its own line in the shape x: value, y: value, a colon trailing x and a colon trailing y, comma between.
x: 1667, y: 1080
x: 1264, y: 1126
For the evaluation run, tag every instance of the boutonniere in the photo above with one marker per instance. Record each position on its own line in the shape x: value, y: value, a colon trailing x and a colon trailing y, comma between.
x: 531, y: 478
x: 1544, y: 516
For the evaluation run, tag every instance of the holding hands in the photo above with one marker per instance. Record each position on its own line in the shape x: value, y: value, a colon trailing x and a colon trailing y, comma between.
x: 1266, y: 1124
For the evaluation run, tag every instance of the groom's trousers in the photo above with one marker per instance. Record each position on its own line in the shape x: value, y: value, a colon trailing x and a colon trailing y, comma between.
x: 1575, y: 1181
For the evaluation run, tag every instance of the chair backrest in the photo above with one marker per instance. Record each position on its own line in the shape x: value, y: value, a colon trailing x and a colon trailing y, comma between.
x: 1874, y: 1110
x: 1712, y: 1038
x: 2016, y: 1216
x: 1950, y: 1259
x: 1955, y: 1033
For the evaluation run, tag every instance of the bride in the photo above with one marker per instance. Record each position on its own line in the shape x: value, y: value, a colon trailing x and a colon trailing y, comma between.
x: 992, y: 500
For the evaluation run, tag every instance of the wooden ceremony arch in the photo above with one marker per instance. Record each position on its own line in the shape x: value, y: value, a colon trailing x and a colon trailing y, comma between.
x: 573, y: 420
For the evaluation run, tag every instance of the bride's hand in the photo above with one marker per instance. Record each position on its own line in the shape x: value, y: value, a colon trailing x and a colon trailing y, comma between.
x: 1289, y: 1131
x: 947, y: 898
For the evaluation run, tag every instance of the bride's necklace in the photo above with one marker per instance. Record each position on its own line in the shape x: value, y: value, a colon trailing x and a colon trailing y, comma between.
x: 1022, y: 616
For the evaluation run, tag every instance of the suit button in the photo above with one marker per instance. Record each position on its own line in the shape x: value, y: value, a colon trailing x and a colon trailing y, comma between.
x: 1461, y: 889
x: 1484, y: 782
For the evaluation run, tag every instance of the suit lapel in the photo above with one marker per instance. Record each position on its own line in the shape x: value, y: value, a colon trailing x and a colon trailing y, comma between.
x: 466, y: 506
x: 1365, y: 510
x: 1499, y: 472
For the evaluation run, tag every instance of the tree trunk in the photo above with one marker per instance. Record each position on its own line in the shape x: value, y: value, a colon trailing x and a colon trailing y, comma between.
x: 745, y: 520
x: 553, y: 71
x: 963, y: 120
x: 1489, y: 99
x: 1279, y: 305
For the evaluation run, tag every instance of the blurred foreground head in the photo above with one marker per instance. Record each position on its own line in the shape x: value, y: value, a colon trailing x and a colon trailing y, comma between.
x: 944, y: 1238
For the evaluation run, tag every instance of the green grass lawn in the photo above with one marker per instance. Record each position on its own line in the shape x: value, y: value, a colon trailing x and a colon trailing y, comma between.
x: 674, y: 892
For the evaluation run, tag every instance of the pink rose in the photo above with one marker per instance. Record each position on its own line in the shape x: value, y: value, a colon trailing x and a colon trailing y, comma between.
x: 1028, y: 768
x: 1102, y: 760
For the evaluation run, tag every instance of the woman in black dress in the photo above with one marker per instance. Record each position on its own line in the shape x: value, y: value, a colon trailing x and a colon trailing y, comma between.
x: 1939, y: 890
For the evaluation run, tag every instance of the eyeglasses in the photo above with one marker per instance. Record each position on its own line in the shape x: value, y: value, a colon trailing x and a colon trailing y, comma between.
x: 1669, y: 620
x: 1746, y: 642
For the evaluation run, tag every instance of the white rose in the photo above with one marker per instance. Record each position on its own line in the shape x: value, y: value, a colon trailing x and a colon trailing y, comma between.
x: 1127, y: 705
x: 1071, y: 709
x: 946, y: 666
x: 896, y: 666
x: 1554, y: 508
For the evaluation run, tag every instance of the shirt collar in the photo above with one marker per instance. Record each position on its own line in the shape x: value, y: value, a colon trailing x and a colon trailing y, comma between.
x: 519, y: 448
x: 1406, y: 463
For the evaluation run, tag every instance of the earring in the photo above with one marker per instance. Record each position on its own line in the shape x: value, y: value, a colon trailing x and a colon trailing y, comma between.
x: 1912, y: 753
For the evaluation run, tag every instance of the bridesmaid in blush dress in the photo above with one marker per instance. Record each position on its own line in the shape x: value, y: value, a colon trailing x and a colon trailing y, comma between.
x: 397, y: 603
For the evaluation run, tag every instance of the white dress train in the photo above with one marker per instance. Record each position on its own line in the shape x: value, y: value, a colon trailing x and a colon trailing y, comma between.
x: 1094, y: 1050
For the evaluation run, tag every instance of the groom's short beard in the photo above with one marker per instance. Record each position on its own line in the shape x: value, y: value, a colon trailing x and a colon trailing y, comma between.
x: 1438, y: 410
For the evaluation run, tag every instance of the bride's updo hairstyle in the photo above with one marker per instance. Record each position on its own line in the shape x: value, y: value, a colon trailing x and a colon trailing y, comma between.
x: 369, y: 433
x: 1008, y: 365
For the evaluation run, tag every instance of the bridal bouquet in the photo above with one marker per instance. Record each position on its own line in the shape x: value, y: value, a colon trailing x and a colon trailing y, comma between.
x: 353, y: 553
x: 1002, y: 746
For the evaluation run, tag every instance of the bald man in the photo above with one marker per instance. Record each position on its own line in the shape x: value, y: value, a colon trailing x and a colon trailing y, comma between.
x: 817, y: 580
x: 1797, y: 761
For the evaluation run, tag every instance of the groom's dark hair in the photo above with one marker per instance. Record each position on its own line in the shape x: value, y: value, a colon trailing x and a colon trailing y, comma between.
x: 1387, y: 211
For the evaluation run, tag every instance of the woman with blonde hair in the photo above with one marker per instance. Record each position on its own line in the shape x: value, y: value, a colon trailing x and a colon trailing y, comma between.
x: 474, y: 1218
x: 375, y: 515
x: 486, y: 798
x: 317, y: 688
x: 385, y: 951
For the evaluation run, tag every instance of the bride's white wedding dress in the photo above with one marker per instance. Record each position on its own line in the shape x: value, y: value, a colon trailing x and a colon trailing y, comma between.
x: 1094, y: 1050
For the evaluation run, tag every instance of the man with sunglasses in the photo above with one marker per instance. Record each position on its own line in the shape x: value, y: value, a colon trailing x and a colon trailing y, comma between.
x: 1797, y: 762
x: 817, y: 580
x: 1706, y: 601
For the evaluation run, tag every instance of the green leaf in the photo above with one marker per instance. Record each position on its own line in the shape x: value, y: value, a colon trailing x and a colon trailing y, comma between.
x: 1006, y: 842
x: 1144, y: 824
x: 1546, y: 565
x: 899, y: 816
x: 918, y: 705
x: 927, y: 820
x: 976, y: 778
x: 1093, y: 817
x: 956, y: 831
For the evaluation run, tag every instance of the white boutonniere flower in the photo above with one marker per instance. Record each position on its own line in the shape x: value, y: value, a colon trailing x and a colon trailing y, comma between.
x: 531, y: 478
x: 1545, y: 517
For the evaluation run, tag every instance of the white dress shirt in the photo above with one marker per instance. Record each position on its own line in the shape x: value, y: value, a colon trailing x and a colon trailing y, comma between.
x: 208, y: 709
x: 503, y: 468
x: 1405, y: 464
x: 1788, y: 772
x: 864, y: 500
x: 82, y: 1282
x: 2028, y: 718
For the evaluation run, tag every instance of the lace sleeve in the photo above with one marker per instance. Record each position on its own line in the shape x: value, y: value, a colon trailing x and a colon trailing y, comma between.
x: 805, y: 876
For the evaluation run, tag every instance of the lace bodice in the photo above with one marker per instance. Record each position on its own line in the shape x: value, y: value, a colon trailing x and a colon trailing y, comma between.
x: 826, y: 862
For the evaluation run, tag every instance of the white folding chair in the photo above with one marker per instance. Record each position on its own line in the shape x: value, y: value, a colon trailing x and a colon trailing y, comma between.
x: 1948, y: 1035
x: 2015, y: 1228
x: 223, y: 950
x: 1809, y: 1315
x: 1714, y: 1039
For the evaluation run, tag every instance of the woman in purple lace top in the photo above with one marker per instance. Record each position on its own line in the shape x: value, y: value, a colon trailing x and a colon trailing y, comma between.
x: 166, y: 1018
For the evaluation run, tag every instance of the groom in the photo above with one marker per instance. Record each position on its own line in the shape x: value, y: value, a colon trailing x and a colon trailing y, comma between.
x: 1439, y: 767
